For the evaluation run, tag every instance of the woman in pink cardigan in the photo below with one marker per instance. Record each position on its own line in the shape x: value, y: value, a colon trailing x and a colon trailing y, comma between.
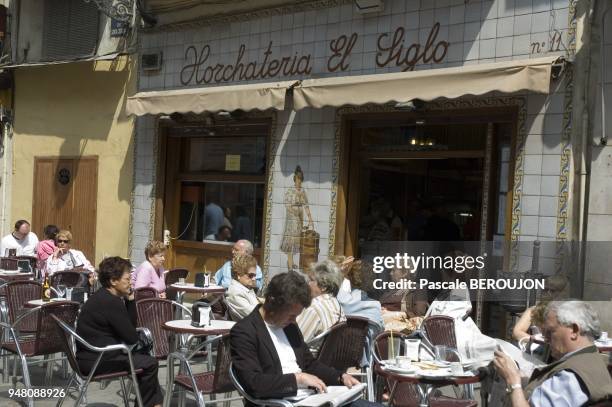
x: 151, y: 272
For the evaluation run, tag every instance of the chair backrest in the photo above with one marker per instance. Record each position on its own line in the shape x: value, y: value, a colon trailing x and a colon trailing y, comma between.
x: 17, y: 294
x: 48, y: 339
x: 143, y: 293
x: 66, y: 334
x: 382, y: 344
x: 31, y: 259
x: 222, y: 382
x: 344, y: 345
x: 69, y: 278
x: 219, y: 308
x: 440, y: 330
x: 171, y: 277
x: 152, y: 313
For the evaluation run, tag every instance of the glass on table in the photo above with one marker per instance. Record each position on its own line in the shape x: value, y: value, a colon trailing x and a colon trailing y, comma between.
x: 61, y: 290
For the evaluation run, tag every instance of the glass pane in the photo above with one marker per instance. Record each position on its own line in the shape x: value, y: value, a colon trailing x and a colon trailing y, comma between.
x: 240, y: 155
x: 221, y: 211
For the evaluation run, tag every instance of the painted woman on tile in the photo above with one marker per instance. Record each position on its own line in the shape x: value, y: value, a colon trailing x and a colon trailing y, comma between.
x: 296, y: 203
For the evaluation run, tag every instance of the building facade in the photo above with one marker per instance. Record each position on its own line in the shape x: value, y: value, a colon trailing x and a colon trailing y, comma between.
x: 500, y: 155
x: 70, y: 154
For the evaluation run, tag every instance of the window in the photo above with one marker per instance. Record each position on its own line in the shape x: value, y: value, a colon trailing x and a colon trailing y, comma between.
x: 70, y: 29
x: 222, y: 175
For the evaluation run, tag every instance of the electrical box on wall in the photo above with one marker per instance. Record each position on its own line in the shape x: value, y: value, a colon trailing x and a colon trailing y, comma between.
x: 369, y: 6
x: 151, y: 62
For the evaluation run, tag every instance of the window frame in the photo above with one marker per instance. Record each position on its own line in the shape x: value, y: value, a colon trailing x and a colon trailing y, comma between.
x: 170, y: 178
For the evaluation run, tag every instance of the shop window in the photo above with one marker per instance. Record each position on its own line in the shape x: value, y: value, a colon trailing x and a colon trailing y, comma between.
x: 222, y: 175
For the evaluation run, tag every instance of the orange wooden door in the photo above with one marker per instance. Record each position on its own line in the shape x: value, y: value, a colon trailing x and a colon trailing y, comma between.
x: 65, y: 194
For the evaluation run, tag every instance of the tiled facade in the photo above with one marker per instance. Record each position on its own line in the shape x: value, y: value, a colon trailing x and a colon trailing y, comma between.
x: 476, y: 32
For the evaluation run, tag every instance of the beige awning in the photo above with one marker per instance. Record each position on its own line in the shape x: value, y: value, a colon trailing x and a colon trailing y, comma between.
x: 259, y: 96
x: 508, y: 77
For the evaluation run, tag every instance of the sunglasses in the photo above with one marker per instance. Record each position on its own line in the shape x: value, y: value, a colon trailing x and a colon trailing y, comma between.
x: 63, y: 241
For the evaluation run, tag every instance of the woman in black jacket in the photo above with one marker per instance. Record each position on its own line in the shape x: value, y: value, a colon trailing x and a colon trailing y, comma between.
x: 268, y: 351
x: 109, y: 318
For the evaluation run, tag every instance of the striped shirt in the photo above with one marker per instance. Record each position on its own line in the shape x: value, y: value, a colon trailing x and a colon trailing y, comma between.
x: 324, y: 311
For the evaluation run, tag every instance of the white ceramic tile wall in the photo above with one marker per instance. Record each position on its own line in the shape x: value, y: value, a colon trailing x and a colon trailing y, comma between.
x: 481, y: 31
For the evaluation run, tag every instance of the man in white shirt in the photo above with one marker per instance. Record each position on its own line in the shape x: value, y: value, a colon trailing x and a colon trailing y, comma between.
x: 21, y: 239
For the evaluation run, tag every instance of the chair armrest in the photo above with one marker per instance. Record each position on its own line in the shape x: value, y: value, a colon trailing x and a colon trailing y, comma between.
x: 184, y: 308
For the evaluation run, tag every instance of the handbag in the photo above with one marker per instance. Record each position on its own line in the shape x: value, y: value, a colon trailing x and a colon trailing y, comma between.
x: 144, y: 345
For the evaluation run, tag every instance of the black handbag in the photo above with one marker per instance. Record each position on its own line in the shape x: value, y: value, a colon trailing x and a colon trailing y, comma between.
x: 144, y: 345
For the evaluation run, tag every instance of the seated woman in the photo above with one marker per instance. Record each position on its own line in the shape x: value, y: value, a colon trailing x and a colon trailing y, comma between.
x: 151, y: 272
x: 268, y: 352
x: 240, y: 296
x: 325, y: 280
x: 46, y: 247
x: 357, y: 302
x: 109, y: 318
x: 66, y: 258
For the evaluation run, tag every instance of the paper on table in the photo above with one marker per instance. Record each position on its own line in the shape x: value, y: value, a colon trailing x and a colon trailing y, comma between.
x: 335, y: 396
x: 525, y: 361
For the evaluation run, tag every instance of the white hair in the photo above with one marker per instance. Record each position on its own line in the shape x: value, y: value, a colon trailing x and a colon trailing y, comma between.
x: 577, y: 312
x: 248, y: 246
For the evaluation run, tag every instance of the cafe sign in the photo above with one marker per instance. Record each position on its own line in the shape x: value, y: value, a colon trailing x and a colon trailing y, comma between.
x: 392, y: 51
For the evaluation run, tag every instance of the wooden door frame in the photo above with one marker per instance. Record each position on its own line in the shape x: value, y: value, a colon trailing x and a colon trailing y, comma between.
x: 348, y: 204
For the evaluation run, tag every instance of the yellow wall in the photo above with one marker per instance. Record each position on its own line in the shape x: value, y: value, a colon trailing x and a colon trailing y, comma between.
x: 73, y: 110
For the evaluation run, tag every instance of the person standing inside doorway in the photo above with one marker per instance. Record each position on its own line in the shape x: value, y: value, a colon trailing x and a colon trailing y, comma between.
x: 21, y: 239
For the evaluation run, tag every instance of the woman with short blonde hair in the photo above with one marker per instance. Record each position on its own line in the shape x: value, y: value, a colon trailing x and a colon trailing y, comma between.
x: 151, y: 272
x: 241, y: 298
x: 66, y: 258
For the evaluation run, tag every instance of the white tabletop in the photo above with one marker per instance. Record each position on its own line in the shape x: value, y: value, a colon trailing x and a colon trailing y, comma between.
x: 215, y: 325
x: 191, y: 286
x: 39, y: 302
x: 13, y: 272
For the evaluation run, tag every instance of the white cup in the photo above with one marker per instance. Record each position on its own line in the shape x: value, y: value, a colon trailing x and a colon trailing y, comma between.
x: 181, y: 281
x: 604, y: 336
x: 456, y: 369
x: 403, y: 362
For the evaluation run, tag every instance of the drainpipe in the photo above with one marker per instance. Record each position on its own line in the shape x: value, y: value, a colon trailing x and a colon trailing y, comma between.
x: 585, y: 145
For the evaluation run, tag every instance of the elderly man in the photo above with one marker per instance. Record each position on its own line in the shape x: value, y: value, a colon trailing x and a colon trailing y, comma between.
x: 578, y: 376
x: 223, y: 276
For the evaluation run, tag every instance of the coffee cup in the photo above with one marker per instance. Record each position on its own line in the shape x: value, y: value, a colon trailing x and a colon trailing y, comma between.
x: 603, y: 337
x: 181, y: 281
x: 456, y: 369
x: 403, y: 362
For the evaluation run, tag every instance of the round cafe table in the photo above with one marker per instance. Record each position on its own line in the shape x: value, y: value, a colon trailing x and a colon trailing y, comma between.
x: 39, y: 302
x: 181, y: 289
x: 183, y: 326
x: 425, y: 384
x: 10, y: 275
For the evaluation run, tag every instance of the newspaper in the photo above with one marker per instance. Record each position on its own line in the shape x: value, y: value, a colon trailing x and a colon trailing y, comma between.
x: 335, y: 396
x: 526, y: 362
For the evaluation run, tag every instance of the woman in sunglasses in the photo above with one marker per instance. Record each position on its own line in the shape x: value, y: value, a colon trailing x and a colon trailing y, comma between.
x: 240, y: 296
x: 66, y: 258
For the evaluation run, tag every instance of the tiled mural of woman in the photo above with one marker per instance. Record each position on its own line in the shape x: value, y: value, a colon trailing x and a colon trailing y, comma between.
x: 296, y: 203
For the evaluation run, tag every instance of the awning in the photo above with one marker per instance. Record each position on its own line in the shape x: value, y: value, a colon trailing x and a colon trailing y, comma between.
x: 507, y: 77
x: 260, y: 96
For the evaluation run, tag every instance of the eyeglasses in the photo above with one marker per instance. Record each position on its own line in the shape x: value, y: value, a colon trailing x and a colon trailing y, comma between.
x: 251, y: 275
x: 63, y: 241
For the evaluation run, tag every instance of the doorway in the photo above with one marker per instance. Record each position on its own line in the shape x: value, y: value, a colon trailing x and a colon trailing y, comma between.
x: 399, y: 168
x: 65, y: 194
